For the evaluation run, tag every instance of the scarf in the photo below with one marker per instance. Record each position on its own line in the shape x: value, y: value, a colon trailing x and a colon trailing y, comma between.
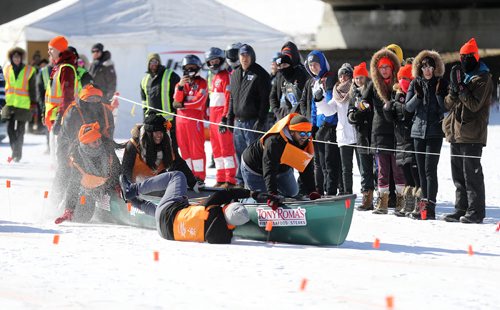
x: 341, y: 92
x: 94, y: 160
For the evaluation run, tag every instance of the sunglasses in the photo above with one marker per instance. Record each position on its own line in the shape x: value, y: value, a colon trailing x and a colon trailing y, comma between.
x: 95, y: 51
x: 303, y: 134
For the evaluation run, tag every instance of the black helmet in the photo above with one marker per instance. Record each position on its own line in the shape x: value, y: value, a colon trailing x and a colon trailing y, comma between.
x: 213, y: 53
x: 232, y: 51
x: 191, y: 60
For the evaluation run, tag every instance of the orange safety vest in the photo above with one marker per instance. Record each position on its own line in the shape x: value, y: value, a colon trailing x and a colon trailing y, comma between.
x: 90, y: 181
x: 189, y: 223
x: 141, y: 169
x: 17, y: 90
x: 54, y: 97
x: 292, y: 156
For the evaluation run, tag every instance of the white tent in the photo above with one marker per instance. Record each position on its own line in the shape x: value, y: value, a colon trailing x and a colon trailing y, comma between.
x: 130, y: 29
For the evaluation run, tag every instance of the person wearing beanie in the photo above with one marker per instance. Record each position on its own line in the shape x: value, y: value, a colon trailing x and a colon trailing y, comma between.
x: 212, y: 220
x: 158, y: 81
x: 466, y: 128
x: 313, y: 104
x: 149, y: 152
x: 249, y: 102
x: 345, y: 131
x: 103, y: 72
x: 360, y: 115
x: 268, y: 164
x: 384, y: 67
x: 289, y: 83
x: 93, y: 173
x: 425, y: 105
x: 20, y: 95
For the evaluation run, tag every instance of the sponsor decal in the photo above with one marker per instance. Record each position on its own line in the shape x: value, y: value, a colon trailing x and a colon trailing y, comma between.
x: 282, y: 217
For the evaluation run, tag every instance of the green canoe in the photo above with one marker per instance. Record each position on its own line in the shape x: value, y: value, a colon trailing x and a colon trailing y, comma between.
x: 325, y: 221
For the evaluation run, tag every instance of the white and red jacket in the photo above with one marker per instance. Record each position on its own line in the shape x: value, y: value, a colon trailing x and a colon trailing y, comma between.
x: 222, y: 143
x: 190, y: 133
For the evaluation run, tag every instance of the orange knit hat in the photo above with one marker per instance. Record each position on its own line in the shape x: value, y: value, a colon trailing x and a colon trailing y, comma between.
x: 89, y: 133
x: 470, y: 48
x: 385, y: 61
x: 88, y: 91
x: 60, y: 43
x: 405, y: 71
x: 360, y: 70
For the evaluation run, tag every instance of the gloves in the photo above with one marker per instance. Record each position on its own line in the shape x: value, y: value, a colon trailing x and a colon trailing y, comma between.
x: 388, y: 105
x: 274, y: 201
x: 456, y: 79
x: 362, y: 105
x: 418, y: 90
x: 222, y: 128
x: 318, y: 95
x: 198, y: 186
x: 177, y: 104
x: 258, y: 125
x: 314, y: 195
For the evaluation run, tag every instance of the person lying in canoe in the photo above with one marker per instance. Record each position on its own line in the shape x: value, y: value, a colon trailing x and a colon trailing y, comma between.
x: 213, y: 220
x: 268, y: 164
x: 150, y: 152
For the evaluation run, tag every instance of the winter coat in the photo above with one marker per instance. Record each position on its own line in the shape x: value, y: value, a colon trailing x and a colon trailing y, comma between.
x: 265, y: 159
x: 2, y: 88
x: 346, y: 133
x: 361, y: 119
x: 428, y: 110
x: 155, y: 88
x: 18, y: 114
x: 286, y: 92
x: 377, y: 94
x: 320, y: 113
x: 403, y: 121
x: 67, y: 79
x: 250, y: 94
x: 467, y: 121
x: 170, y: 159
x: 103, y: 72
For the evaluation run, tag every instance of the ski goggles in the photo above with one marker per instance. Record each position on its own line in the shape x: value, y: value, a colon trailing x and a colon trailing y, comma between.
x: 303, y: 134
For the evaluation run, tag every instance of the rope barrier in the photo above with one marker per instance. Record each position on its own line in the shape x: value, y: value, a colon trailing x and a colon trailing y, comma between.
x: 316, y: 141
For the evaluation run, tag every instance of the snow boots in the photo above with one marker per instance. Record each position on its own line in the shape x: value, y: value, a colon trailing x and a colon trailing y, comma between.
x: 400, y: 204
x: 382, y: 203
x: 454, y: 217
x: 129, y: 190
x: 367, y: 202
x: 67, y: 216
x: 408, y: 202
x: 416, y: 210
x: 427, y: 210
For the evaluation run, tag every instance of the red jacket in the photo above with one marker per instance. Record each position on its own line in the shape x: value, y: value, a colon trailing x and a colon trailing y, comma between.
x: 67, y: 79
x: 193, y: 96
x: 220, y: 91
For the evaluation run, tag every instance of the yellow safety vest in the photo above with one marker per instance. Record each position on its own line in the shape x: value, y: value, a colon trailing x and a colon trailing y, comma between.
x: 17, y: 89
x: 165, y: 94
x: 53, y: 94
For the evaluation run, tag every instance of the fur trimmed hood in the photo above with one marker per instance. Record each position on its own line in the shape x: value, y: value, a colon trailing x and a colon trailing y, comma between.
x: 384, y: 91
x: 15, y: 50
x: 417, y: 63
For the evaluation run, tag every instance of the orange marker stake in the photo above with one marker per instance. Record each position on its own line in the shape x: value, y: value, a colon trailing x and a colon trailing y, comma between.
x: 423, y: 214
x: 269, y: 227
x: 56, y: 239
x: 471, y: 252
x: 7, y: 183
x: 376, y: 243
x: 82, y: 200
x: 129, y: 207
x: 498, y: 227
x: 389, y: 300
x: 347, y: 203
x: 9, y: 159
x: 156, y: 255
x: 46, y: 194
x: 303, y: 285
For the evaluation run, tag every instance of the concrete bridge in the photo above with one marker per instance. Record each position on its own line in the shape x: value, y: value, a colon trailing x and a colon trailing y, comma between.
x: 443, y: 25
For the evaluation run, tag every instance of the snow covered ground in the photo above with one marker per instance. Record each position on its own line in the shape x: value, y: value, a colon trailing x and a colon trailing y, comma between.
x: 420, y: 264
